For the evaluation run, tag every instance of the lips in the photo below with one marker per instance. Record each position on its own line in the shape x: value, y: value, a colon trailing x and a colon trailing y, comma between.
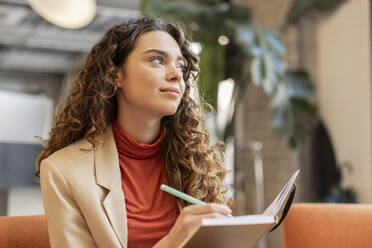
x: 171, y: 89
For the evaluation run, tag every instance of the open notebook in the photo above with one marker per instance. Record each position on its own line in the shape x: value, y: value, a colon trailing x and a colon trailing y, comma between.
x: 244, y: 231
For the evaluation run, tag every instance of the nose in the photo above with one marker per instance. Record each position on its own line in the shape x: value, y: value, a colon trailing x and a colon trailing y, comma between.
x: 174, y: 74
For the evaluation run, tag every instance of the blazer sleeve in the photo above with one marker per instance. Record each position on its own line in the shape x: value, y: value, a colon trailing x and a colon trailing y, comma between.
x: 66, y: 224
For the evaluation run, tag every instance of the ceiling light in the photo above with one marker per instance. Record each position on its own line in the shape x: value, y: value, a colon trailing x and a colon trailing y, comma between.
x: 70, y: 14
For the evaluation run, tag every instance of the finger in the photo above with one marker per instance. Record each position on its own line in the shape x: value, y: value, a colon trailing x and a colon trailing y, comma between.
x: 206, y: 209
x: 196, y: 219
x: 193, y: 221
x: 211, y: 216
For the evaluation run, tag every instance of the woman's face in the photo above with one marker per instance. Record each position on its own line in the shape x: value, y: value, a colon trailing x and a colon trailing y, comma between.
x: 151, y: 79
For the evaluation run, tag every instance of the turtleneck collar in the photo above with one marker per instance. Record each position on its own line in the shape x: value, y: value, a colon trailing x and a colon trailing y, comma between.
x: 128, y: 146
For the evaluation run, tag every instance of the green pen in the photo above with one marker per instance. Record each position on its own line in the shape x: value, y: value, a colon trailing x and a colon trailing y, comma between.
x: 184, y: 196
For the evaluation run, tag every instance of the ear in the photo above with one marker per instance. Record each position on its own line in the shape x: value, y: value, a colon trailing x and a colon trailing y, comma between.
x: 119, y: 76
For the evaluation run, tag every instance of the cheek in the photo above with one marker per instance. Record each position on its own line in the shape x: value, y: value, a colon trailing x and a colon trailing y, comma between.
x: 183, y: 87
x: 142, y: 89
x: 144, y: 81
x: 149, y: 77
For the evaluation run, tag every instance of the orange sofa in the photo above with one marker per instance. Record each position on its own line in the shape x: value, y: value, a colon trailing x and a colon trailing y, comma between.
x: 24, y: 232
x: 326, y: 225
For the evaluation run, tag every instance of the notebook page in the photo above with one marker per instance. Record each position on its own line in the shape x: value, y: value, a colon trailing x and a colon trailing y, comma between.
x: 284, y: 191
x: 239, y: 220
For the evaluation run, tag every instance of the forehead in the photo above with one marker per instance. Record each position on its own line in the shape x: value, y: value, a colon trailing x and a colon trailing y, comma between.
x: 159, y: 40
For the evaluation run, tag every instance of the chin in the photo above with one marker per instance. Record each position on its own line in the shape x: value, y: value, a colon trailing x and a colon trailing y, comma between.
x: 166, y: 109
x: 170, y: 112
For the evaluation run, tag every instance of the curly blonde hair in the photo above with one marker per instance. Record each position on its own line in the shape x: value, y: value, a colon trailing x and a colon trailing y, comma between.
x: 193, y: 165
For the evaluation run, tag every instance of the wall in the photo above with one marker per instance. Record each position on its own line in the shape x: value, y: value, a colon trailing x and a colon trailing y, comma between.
x: 344, y: 88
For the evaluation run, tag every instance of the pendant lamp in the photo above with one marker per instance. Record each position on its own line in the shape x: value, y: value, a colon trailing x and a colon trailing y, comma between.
x: 70, y: 14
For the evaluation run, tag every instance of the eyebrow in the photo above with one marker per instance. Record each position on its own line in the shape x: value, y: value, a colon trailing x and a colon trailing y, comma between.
x: 164, y: 53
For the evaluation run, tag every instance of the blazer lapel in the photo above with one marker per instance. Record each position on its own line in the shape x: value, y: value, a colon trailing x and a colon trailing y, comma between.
x: 108, y: 176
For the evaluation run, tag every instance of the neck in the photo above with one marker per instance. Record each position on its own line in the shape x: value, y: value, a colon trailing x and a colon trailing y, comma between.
x: 143, y: 127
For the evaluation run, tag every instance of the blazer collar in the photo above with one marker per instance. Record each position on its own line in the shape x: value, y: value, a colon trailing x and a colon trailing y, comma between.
x: 107, y: 162
x: 108, y: 176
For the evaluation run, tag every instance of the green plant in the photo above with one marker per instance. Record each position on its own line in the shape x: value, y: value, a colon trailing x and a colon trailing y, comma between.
x: 249, y: 46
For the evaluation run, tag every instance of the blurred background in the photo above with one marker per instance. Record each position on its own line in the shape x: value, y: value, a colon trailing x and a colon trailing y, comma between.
x: 289, y: 80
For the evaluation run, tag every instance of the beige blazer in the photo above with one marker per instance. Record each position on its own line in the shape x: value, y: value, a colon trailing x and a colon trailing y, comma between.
x: 83, y: 198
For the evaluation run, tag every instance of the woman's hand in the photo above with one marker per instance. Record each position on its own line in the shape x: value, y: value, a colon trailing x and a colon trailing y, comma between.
x: 189, y: 221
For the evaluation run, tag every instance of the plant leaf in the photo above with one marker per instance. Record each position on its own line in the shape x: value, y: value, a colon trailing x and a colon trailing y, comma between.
x: 274, y: 42
x: 257, y: 70
x: 298, y: 84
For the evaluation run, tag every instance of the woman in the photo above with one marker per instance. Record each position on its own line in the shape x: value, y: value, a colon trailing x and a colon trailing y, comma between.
x: 128, y: 125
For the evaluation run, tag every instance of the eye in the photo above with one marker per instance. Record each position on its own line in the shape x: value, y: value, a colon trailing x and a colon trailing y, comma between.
x: 181, y: 68
x: 157, y: 60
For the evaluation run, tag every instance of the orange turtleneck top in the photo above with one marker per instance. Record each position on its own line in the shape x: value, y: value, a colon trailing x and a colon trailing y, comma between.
x: 151, y: 212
